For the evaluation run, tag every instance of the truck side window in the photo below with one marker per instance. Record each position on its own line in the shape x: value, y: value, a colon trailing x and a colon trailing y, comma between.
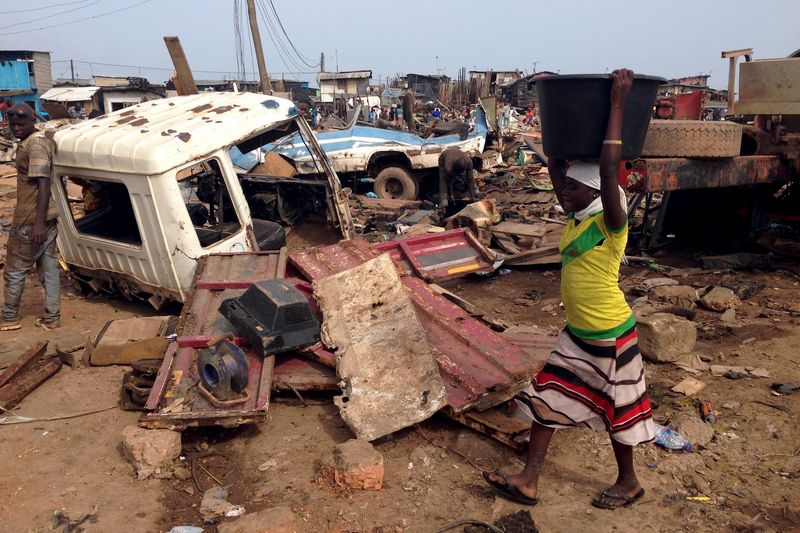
x: 101, y: 208
x: 208, y: 202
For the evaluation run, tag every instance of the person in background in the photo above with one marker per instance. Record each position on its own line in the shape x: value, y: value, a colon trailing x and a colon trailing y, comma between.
x: 436, y: 114
x: 34, y: 228
x: 314, y: 116
x: 454, y: 165
x: 594, y: 376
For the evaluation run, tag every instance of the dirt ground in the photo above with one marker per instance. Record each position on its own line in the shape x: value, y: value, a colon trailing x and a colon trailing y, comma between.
x: 746, y: 471
x: 749, y: 473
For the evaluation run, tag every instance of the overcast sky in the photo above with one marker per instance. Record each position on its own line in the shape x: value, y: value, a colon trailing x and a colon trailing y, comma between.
x: 671, y: 39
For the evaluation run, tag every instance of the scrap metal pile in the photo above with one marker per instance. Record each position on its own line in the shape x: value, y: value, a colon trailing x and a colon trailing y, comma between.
x: 367, y: 321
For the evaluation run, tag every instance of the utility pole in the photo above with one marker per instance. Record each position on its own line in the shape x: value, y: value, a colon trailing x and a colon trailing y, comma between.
x: 266, y: 86
x: 322, y: 62
x: 72, y: 70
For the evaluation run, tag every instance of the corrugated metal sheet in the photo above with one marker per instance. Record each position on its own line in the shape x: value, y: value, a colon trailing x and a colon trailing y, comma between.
x: 175, y: 401
x: 70, y: 94
x: 159, y: 135
x: 479, y: 367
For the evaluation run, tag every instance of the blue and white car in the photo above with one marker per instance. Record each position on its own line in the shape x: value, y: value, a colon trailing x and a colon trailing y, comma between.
x: 395, y: 159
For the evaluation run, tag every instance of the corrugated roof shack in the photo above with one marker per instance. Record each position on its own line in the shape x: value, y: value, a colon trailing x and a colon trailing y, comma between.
x: 24, y: 75
x: 427, y: 87
x: 89, y: 102
x: 521, y: 93
x: 333, y: 85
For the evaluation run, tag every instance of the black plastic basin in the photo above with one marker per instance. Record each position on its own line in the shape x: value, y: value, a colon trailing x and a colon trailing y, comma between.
x: 574, y: 112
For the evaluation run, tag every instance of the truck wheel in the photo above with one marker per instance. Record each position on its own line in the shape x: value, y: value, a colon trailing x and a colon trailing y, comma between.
x: 692, y: 138
x: 396, y: 183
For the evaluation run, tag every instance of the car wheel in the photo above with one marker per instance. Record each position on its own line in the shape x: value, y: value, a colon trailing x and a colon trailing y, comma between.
x: 396, y: 183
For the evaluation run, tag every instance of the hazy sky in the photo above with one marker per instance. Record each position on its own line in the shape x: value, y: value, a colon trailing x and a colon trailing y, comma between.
x: 670, y: 39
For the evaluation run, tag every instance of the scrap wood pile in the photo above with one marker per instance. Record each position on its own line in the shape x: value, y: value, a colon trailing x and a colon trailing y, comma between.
x: 392, y: 342
x: 518, y: 215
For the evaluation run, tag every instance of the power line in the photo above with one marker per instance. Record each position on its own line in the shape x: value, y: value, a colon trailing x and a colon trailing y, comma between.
x: 77, y: 20
x: 166, y: 69
x: 51, y: 15
x: 45, y: 7
x: 302, y: 58
x: 276, y: 41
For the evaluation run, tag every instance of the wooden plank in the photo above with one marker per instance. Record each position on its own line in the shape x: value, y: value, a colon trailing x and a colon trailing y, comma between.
x: 29, y: 371
x: 520, y: 229
x: 182, y: 70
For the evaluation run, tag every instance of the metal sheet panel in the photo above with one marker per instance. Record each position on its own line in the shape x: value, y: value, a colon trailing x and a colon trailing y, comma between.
x: 441, y: 256
x: 174, y: 401
x: 769, y: 87
x: 479, y: 367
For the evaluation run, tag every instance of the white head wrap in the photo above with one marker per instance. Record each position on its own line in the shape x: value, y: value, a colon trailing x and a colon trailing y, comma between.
x: 589, y: 174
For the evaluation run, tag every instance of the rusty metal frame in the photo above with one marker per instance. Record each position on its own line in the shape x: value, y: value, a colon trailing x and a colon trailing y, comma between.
x: 173, y: 403
x: 677, y: 173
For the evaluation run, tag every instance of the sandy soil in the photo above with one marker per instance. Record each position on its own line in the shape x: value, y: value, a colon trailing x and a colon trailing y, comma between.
x: 749, y: 470
x: 77, y: 464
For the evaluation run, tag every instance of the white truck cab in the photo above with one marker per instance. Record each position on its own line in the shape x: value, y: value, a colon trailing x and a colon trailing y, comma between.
x: 144, y: 192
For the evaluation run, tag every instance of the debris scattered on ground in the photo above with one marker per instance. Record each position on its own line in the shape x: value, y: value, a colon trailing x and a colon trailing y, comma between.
x: 689, y: 386
x: 215, y: 503
x: 26, y: 373
x: 664, y: 337
x: 272, y: 520
x: 380, y: 346
x: 737, y: 372
x: 720, y: 299
x: 125, y: 340
x: 693, y: 428
x: 355, y: 464
x: 151, y: 451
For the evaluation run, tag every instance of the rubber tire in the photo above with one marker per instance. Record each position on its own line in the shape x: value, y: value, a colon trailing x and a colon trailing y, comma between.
x: 396, y: 183
x: 692, y: 138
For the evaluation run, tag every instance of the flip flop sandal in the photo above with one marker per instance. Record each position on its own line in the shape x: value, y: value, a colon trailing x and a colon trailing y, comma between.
x: 627, y: 500
x: 507, y: 490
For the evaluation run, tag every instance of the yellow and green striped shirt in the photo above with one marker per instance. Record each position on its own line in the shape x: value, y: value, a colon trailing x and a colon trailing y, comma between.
x: 590, y: 257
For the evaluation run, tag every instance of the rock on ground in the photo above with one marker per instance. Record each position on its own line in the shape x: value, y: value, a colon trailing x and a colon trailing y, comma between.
x: 664, y: 337
x: 274, y: 520
x: 357, y: 465
x: 692, y: 427
x: 151, y: 451
x: 720, y: 299
x: 680, y: 295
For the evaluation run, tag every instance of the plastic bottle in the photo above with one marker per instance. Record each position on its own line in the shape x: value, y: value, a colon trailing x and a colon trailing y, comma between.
x: 670, y: 439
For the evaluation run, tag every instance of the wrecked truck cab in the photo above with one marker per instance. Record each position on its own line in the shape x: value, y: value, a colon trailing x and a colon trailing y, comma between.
x: 144, y: 192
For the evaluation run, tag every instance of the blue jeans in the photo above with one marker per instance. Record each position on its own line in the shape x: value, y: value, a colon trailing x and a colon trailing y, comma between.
x: 22, y: 254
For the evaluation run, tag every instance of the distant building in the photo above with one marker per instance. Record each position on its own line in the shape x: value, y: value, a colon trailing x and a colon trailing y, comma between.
x: 24, y: 76
x: 427, y: 87
x: 683, y: 85
x: 94, y: 100
x: 486, y: 82
x: 521, y: 93
x: 333, y: 85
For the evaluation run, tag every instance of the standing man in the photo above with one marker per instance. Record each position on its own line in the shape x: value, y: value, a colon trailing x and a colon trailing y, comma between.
x: 454, y: 165
x: 34, y: 228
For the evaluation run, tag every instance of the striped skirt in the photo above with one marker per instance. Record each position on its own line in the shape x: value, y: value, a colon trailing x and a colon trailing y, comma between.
x: 596, y: 383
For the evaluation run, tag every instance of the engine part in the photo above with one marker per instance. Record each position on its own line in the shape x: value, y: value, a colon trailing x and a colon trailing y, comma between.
x: 273, y: 316
x: 223, y: 370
